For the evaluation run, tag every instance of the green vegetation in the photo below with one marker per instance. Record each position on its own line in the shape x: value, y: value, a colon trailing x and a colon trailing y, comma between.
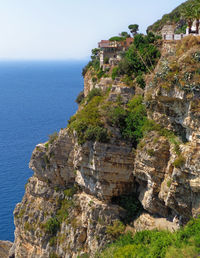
x: 140, y: 81
x: 52, y: 226
x: 186, y: 75
x: 53, y: 137
x: 179, y: 162
x: 80, y: 97
x: 90, y: 123
x: 125, y: 34
x: 70, y: 191
x: 169, y: 182
x: 94, y: 92
x: 115, y: 72
x: 117, y: 38
x: 180, y: 16
x: 115, y: 230
x: 28, y: 226
x: 129, y: 120
x: 87, y: 122
x: 140, y: 58
x: 133, y: 28
x: 157, y: 244
x: 94, y: 63
x: 53, y: 255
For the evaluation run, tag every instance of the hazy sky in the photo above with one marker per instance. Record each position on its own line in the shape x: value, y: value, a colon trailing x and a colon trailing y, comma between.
x: 65, y: 29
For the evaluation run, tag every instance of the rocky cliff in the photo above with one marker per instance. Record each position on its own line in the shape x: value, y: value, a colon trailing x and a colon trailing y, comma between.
x: 76, y: 201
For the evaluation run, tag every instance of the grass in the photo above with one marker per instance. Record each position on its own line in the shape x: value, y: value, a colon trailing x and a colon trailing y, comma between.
x: 157, y: 244
x: 179, y: 162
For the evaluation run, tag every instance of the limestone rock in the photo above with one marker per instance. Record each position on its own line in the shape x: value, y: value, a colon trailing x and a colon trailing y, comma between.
x: 5, y: 246
x: 104, y: 170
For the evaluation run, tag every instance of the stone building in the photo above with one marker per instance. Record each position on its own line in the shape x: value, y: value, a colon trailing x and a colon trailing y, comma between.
x: 111, y: 50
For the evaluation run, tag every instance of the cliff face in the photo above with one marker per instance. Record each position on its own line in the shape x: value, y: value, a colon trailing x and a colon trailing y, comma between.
x: 70, y: 208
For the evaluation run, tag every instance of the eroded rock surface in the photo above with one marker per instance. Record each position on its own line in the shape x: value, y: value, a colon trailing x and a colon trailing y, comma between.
x: 67, y: 206
x: 5, y: 247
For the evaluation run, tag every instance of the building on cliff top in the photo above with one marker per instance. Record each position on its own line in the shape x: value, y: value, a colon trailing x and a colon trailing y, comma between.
x: 110, y: 51
x: 168, y: 31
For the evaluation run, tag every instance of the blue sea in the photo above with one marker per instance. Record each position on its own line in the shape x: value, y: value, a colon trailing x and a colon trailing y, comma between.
x: 36, y: 99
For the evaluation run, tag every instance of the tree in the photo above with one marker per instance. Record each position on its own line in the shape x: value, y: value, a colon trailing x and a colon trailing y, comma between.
x: 133, y: 28
x: 125, y: 34
x: 188, y: 13
x: 117, y: 38
x: 196, y: 15
x: 95, y: 53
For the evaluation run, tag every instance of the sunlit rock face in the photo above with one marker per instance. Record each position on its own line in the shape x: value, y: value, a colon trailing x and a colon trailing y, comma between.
x: 67, y: 207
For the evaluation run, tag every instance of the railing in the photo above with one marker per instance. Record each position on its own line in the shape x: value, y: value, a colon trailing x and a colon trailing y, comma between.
x: 176, y: 36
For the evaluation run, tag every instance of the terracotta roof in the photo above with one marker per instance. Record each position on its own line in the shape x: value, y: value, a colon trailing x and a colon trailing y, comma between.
x: 114, y: 44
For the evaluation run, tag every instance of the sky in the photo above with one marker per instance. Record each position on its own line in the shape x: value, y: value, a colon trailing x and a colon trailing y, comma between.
x: 69, y: 29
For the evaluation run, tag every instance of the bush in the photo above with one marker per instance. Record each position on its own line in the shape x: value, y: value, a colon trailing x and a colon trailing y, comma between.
x: 94, y: 79
x: 100, y: 74
x: 80, y: 97
x: 96, y: 133
x: 52, y: 226
x: 87, y: 122
x: 70, y: 192
x: 179, y: 162
x: 183, y: 243
x: 106, y: 60
x: 53, y: 137
x: 117, y: 116
x: 135, y: 120
x: 94, y: 92
x: 116, y: 229
x: 140, y: 81
x: 115, y: 72
x: 128, y: 80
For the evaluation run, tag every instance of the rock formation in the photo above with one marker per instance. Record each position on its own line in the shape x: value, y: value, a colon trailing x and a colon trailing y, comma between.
x: 68, y: 208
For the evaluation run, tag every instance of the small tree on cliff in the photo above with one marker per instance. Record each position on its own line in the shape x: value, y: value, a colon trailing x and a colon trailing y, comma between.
x: 124, y: 34
x: 133, y: 28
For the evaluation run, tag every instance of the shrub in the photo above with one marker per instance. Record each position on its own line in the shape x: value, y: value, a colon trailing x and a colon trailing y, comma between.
x: 117, y: 116
x: 141, y: 57
x: 135, y: 120
x: 115, y: 72
x: 179, y: 162
x: 116, y: 229
x: 53, y: 241
x: 80, y: 97
x: 70, y: 191
x: 140, y: 81
x: 169, y: 182
x: 52, y: 226
x: 100, y: 74
x: 94, y: 79
x: 53, y: 255
x: 128, y: 80
x: 94, y: 92
x: 106, y: 60
x: 53, y: 137
x: 183, y: 243
x: 151, y: 152
x: 96, y: 133
x: 88, y: 116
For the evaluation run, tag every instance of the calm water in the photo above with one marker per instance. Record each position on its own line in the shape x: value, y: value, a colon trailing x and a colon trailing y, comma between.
x: 36, y: 99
